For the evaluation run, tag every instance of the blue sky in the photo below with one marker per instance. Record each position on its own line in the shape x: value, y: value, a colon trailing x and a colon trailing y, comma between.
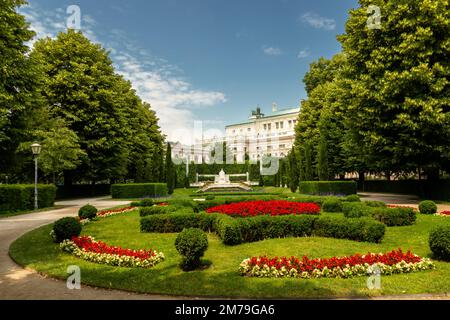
x: 209, y: 60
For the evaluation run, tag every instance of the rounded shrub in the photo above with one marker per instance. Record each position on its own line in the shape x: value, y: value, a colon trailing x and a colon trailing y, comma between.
x: 66, y: 228
x: 439, y: 242
x: 191, y: 243
x: 147, y: 202
x: 352, y: 198
x: 427, y: 207
x: 87, y: 212
x: 332, y: 205
x: 210, y: 197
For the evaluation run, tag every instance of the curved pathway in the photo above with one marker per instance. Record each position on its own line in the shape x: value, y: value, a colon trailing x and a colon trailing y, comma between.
x: 19, y: 283
x: 24, y: 284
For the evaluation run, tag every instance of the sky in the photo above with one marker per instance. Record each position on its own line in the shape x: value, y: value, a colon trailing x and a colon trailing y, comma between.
x: 205, y: 60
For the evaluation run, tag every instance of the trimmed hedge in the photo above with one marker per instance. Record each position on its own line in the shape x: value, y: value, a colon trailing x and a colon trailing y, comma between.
x: 138, y: 190
x: 363, y: 229
x: 191, y: 244
x: 356, y: 210
x: 394, y: 216
x: 82, y: 191
x: 332, y: 205
x: 19, y: 197
x: 87, y: 212
x: 148, y: 211
x: 176, y: 222
x: 235, y: 231
x: 328, y: 187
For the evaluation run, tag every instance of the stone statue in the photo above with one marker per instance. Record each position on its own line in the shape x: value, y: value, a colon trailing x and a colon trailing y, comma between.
x: 223, y: 178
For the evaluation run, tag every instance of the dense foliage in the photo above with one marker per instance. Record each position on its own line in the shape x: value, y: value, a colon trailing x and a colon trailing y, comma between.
x: 66, y: 228
x: 439, y: 242
x: 66, y: 95
x: 138, y: 190
x: 191, y: 243
x: 14, y: 197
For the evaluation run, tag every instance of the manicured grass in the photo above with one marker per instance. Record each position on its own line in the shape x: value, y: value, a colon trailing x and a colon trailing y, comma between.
x: 36, y: 250
x: 18, y: 213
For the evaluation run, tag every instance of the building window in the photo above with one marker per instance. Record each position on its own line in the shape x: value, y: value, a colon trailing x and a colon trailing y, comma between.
x: 249, y: 129
x: 281, y: 124
x: 290, y: 123
x: 277, y: 125
x: 282, y: 146
x: 234, y: 131
x: 269, y: 126
x: 265, y: 126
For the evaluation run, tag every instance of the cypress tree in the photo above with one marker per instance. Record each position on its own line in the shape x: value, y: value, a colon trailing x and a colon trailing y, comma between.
x: 293, y: 171
x: 170, y: 170
x: 308, y: 163
x: 322, y: 161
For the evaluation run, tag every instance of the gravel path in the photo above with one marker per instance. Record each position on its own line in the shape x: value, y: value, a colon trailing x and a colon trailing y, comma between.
x: 25, y: 284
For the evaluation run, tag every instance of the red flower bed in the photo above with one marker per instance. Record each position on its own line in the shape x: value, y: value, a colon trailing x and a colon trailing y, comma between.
x: 87, y: 244
x: 273, y: 208
x: 445, y: 213
x: 115, y: 211
x: 306, y: 264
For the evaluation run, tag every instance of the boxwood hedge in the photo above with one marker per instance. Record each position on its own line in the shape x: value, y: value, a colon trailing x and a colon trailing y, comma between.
x: 328, y: 187
x: 138, y: 190
x: 19, y: 197
x: 234, y: 231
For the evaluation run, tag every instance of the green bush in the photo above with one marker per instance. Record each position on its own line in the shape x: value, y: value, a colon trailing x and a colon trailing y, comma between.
x: 356, y: 210
x: 427, y: 207
x: 362, y: 229
x: 176, y: 222
x: 148, y: 211
x: 147, y: 202
x: 332, y: 205
x: 210, y: 197
x: 138, y: 190
x: 394, y: 216
x: 439, y: 242
x: 352, y: 198
x: 328, y: 187
x: 191, y: 244
x: 87, y: 212
x: 66, y: 228
x: 375, y: 204
x: 20, y: 197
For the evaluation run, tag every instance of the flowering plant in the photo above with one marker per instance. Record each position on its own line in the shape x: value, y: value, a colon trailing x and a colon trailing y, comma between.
x: 273, y: 208
x: 97, y: 251
x: 343, y: 267
x: 445, y: 213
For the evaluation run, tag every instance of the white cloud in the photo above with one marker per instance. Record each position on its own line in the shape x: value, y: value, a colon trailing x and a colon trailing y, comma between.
x: 318, y: 22
x: 156, y: 81
x: 304, y: 53
x: 272, y: 51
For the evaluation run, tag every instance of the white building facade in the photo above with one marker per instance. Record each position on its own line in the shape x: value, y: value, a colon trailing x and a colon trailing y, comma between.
x: 271, y: 135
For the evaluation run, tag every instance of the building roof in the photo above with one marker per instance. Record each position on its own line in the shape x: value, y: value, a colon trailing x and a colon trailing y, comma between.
x: 278, y: 113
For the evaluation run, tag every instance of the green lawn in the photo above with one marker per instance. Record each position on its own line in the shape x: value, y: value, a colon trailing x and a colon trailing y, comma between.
x: 36, y: 250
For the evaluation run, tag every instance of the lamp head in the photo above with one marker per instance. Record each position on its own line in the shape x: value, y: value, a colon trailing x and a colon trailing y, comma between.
x: 36, y: 148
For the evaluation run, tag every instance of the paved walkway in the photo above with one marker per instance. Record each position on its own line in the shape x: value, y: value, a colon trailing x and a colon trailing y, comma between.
x: 399, y: 199
x: 23, y: 284
x: 19, y: 283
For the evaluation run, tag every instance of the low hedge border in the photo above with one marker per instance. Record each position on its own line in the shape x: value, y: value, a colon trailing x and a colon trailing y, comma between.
x: 19, y: 197
x: 138, y: 190
x: 328, y: 187
x: 389, y: 216
x: 235, y: 231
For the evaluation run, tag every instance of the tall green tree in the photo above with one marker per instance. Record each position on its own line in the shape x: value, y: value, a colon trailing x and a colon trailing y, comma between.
x: 322, y: 160
x: 400, y: 80
x: 20, y: 81
x: 309, y: 174
x: 170, y: 170
x: 293, y: 170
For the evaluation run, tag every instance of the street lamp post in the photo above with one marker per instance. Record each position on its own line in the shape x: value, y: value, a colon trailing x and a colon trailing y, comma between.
x: 36, y: 149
